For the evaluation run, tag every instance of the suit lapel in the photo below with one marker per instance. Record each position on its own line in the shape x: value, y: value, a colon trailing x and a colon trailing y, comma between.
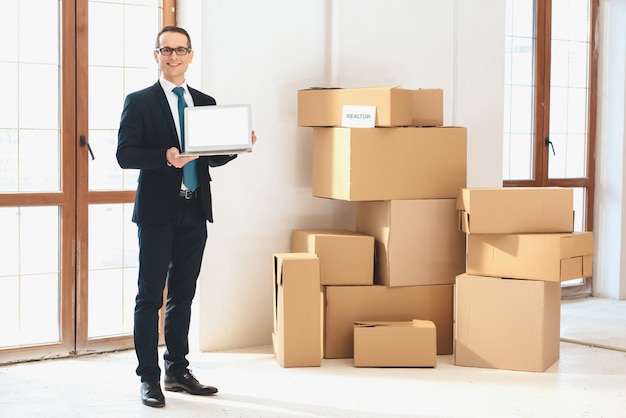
x: 164, y: 107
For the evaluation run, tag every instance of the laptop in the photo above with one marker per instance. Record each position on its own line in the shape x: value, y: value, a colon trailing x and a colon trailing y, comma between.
x: 218, y: 130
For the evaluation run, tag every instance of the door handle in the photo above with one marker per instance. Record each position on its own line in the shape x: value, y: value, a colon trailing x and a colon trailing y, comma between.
x: 83, y: 143
x: 550, y: 144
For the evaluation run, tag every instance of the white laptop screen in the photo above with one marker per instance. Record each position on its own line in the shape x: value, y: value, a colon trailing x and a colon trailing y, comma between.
x: 224, y: 129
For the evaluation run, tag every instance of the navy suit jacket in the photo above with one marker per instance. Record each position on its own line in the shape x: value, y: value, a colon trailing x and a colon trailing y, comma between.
x: 146, y: 132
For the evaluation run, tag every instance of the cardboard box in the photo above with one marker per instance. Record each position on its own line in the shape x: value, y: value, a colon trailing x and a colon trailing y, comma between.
x: 395, y: 344
x: 358, y: 164
x: 345, y: 305
x: 324, y: 106
x: 507, y: 323
x: 297, y: 310
x: 547, y: 257
x: 346, y: 257
x: 516, y: 210
x: 427, y: 107
x: 417, y: 241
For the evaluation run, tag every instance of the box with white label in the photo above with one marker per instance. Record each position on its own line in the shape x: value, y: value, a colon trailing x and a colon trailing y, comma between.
x: 325, y: 106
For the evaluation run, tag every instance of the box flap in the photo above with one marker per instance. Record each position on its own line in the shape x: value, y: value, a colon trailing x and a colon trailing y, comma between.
x: 281, y: 258
x: 587, y: 265
x: 464, y: 221
x: 365, y: 324
x: 572, y: 268
x: 372, y: 324
x: 462, y: 200
x: 423, y: 323
x: 576, y: 244
x: 278, y: 269
x: 351, y: 88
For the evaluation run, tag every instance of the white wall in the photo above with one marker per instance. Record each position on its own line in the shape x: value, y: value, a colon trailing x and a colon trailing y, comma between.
x: 609, y: 275
x: 262, y: 53
x: 478, y: 94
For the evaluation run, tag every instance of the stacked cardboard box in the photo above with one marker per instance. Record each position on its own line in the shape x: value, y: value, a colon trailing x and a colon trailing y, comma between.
x: 386, y: 149
x: 395, y: 344
x: 296, y: 336
x: 520, y: 247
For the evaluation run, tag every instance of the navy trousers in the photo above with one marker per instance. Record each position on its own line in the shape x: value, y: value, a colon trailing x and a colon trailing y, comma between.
x: 169, y: 255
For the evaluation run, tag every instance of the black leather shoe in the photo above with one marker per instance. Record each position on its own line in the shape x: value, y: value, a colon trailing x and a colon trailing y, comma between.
x: 188, y: 383
x: 151, y: 394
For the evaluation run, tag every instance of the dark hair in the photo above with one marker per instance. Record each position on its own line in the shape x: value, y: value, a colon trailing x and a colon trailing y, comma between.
x: 173, y: 29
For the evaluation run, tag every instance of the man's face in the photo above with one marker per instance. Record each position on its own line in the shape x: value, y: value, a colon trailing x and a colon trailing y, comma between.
x: 173, y: 67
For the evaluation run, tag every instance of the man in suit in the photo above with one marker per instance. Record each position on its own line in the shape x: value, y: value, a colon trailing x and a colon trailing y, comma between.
x: 171, y: 211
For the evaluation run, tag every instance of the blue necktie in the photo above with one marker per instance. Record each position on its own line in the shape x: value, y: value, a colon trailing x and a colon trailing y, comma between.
x: 190, y: 173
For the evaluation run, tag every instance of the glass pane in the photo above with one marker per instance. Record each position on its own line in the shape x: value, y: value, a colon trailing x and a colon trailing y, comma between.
x: 569, y: 160
x: 38, y: 33
x: 106, y: 232
x: 39, y: 255
x: 520, y: 18
x: 39, y: 96
x: 140, y: 36
x: 8, y: 160
x: 112, y: 301
x: 104, y: 172
x: 10, y: 311
x: 131, y: 67
x: 569, y: 75
x: 579, y: 208
x: 10, y: 24
x: 39, y: 161
x: 112, y: 237
x: 521, y: 105
x: 519, y: 90
x: 29, y: 105
x: 9, y: 96
x: 570, y: 20
x: 113, y: 261
x: 105, y: 98
x: 10, y: 265
x: 105, y: 303
x: 522, y: 59
x: 106, y: 34
x: 520, y: 150
x: 29, y: 276
x: 104, y: 114
x: 39, y: 309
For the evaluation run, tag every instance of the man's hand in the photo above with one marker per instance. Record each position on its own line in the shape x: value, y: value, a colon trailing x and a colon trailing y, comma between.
x: 253, y: 140
x: 174, y: 158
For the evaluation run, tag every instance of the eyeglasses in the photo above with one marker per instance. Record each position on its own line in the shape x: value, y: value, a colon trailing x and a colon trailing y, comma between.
x: 167, y: 51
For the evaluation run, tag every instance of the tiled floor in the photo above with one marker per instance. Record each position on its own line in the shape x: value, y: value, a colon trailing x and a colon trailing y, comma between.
x: 585, y: 382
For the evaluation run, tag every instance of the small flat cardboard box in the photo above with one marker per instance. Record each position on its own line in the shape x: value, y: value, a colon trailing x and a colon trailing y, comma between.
x: 506, y: 323
x: 395, y: 344
x: 297, y: 312
x: 546, y: 257
x: 417, y: 241
x: 346, y: 257
x: 324, y: 106
x: 361, y: 164
x: 345, y: 305
x: 427, y: 107
x: 516, y: 210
